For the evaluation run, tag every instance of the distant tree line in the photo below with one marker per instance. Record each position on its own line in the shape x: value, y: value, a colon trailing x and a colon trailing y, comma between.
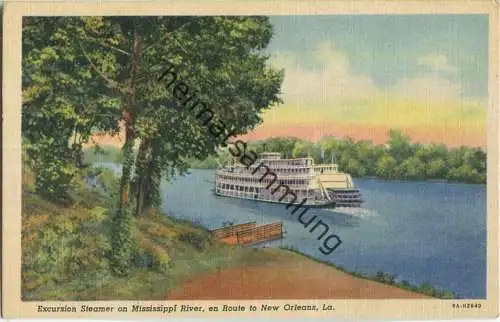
x: 398, y: 159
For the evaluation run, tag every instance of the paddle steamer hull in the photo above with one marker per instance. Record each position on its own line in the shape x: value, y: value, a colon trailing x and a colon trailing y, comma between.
x: 322, y: 204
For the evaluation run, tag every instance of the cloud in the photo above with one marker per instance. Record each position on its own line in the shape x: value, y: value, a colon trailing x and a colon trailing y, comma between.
x: 429, y: 88
x: 435, y: 62
x: 432, y: 85
x: 331, y: 79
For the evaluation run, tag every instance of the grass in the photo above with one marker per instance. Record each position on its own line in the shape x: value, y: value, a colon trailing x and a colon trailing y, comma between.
x: 64, y: 254
x: 65, y: 251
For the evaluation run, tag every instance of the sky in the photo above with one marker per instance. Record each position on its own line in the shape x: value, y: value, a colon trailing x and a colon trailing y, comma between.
x: 360, y: 76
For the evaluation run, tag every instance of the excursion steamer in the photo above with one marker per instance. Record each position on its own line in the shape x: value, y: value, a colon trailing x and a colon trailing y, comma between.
x: 288, y: 181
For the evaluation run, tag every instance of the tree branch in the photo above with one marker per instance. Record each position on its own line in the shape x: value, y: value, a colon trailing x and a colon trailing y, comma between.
x: 167, y: 35
x: 109, y: 46
x: 111, y: 83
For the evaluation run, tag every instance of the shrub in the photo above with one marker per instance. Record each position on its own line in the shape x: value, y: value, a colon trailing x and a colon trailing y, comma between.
x: 150, y: 255
x: 195, y: 239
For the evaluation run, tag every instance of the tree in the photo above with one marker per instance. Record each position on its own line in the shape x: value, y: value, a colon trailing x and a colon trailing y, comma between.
x: 61, y: 103
x: 411, y: 168
x: 455, y: 157
x: 465, y: 173
x: 436, y: 169
x: 283, y: 145
x: 219, y: 57
x: 355, y: 168
x: 101, y: 73
x: 227, y: 65
x: 399, y: 145
x: 386, y: 167
x: 302, y: 149
x: 365, y: 154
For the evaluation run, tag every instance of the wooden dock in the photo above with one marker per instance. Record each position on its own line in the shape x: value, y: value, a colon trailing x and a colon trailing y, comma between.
x: 249, y: 233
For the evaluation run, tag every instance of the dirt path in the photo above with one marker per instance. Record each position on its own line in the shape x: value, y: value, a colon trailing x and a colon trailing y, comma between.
x: 298, y: 279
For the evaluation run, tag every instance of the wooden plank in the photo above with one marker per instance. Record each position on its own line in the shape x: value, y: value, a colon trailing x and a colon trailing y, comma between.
x: 260, y: 233
x: 228, y: 231
x: 231, y: 240
x: 249, y: 233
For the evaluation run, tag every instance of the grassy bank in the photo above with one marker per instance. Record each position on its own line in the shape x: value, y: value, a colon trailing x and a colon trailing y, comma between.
x: 381, y: 277
x: 66, y: 249
x: 65, y: 252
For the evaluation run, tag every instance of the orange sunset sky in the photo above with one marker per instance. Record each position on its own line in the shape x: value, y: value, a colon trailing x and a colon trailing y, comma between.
x: 360, y: 76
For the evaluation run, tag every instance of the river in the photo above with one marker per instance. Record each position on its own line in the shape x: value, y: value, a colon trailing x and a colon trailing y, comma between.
x: 420, y: 231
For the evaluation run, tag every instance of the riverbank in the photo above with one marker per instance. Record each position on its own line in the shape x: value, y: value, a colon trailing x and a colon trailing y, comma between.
x: 199, y: 165
x: 397, y: 159
x: 65, y: 258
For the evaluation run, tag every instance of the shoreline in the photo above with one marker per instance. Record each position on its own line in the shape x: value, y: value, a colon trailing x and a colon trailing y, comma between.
x: 391, y: 180
x: 286, y: 275
x: 389, y: 279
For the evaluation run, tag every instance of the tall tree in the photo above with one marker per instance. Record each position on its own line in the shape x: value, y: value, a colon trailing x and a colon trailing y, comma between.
x: 85, y: 73
x: 115, y: 63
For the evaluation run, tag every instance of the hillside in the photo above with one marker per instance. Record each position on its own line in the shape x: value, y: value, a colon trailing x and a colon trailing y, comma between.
x: 64, y: 253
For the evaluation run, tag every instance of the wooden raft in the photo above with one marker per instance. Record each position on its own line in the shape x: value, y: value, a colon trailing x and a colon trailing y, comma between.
x: 249, y: 233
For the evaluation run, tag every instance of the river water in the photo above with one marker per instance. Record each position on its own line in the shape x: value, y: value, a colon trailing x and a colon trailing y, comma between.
x: 420, y: 231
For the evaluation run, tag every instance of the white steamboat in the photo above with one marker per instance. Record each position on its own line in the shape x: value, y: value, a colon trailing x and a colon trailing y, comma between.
x: 288, y: 181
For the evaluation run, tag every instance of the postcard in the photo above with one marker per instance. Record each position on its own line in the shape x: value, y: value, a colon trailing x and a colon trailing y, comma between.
x: 245, y: 159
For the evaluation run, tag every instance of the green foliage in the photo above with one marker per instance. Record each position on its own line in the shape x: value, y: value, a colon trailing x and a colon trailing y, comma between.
x: 384, y: 278
x: 118, y: 61
x: 58, y: 243
x: 212, y: 161
x: 61, y: 103
x: 53, y: 177
x: 83, y: 75
x: 67, y: 254
x: 198, y: 241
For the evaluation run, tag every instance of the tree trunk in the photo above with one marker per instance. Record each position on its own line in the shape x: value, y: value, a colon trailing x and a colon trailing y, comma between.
x: 126, y: 168
x: 129, y: 118
x: 142, y: 167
